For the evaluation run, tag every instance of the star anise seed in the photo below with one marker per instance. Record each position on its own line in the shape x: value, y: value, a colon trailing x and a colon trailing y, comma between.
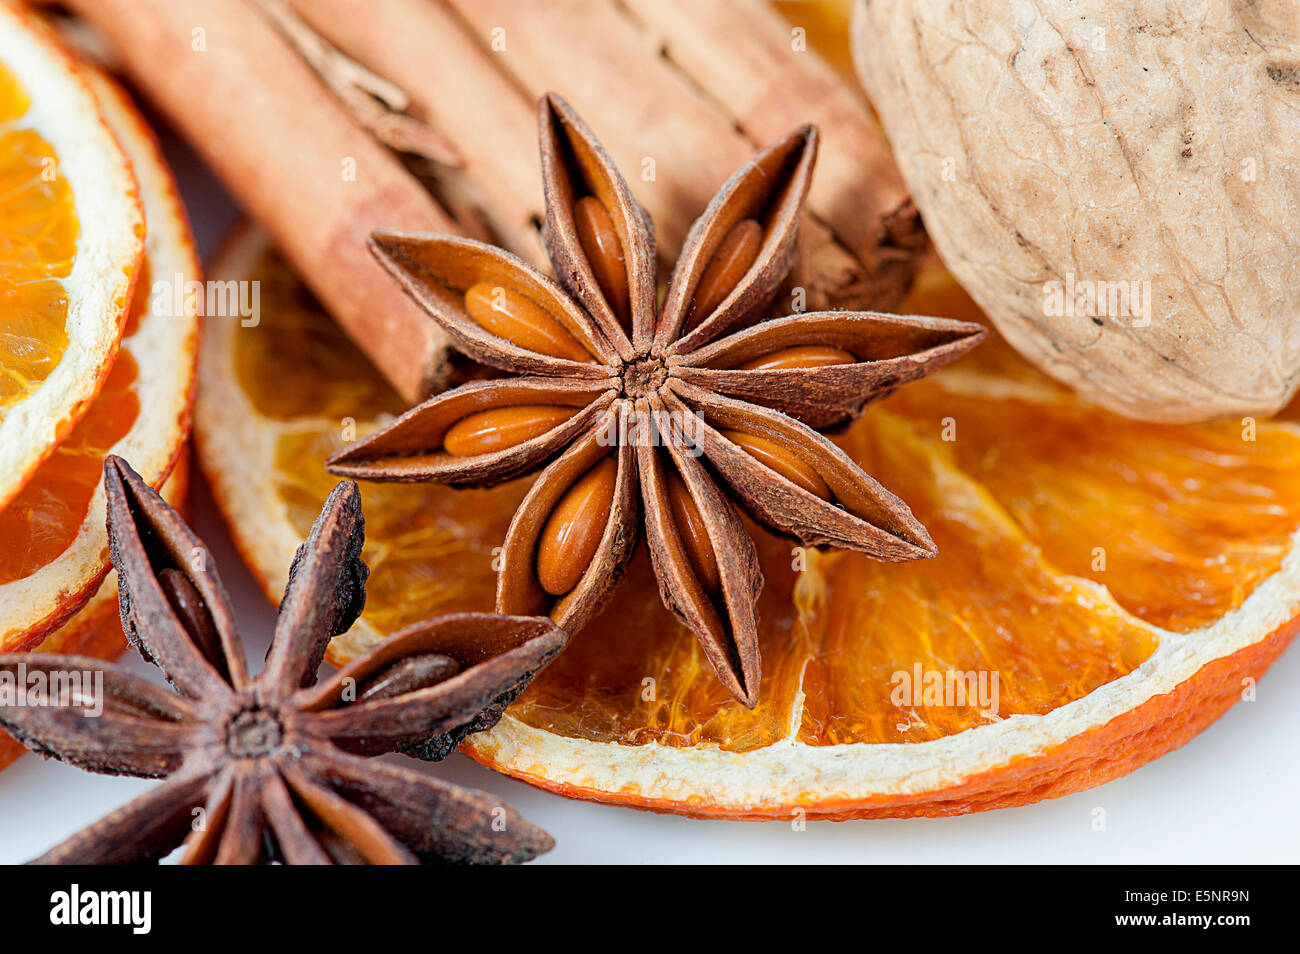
x: 683, y: 407
x: 275, y: 768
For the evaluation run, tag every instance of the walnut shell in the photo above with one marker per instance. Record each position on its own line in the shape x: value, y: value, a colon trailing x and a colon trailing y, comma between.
x: 1110, y: 141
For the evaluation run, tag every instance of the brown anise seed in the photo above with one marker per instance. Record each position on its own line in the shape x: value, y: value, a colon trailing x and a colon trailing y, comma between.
x: 773, y: 455
x: 605, y: 253
x: 193, y: 614
x: 798, y: 357
x: 408, y: 675
x: 512, y: 315
x: 733, y: 258
x: 574, y: 529
x: 695, y: 538
x: 489, y: 431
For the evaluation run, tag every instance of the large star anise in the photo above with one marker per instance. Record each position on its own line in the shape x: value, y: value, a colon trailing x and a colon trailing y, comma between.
x: 680, y: 406
x: 275, y: 768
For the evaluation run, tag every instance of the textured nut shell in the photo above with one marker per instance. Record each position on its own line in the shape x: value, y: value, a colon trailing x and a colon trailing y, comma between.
x: 1114, y: 142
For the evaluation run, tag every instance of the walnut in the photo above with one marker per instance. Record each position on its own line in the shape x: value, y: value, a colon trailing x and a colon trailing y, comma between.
x: 1116, y: 183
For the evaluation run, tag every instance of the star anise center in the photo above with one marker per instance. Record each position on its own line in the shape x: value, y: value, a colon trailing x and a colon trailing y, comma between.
x: 253, y: 733
x: 643, y: 376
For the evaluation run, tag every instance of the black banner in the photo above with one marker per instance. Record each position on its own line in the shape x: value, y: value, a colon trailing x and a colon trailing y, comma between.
x: 136, y: 905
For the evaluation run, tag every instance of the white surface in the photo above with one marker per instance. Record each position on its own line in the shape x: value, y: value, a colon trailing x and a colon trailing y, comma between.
x: 1227, y: 796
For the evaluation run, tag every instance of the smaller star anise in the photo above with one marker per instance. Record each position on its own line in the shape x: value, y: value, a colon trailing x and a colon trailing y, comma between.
x: 630, y: 408
x: 276, y: 768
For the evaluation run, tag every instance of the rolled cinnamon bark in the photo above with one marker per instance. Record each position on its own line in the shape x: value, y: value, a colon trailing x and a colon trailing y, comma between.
x: 473, y: 70
x: 291, y: 155
x: 686, y: 127
x: 456, y: 88
x: 746, y: 57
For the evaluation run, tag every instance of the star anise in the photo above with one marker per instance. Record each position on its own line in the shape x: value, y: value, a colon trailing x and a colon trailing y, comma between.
x: 681, y: 406
x: 276, y: 768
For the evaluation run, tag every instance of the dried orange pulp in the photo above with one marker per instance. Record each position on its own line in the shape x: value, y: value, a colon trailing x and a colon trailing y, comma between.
x: 53, y: 545
x: 71, y: 241
x: 38, y: 242
x: 1119, y: 578
x: 50, y: 509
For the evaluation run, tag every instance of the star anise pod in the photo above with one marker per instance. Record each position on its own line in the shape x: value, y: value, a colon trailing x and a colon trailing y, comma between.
x: 276, y: 767
x: 682, y: 407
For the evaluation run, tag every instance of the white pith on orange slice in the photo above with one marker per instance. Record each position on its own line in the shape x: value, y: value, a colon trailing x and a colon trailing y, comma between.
x: 71, y: 237
x: 1127, y: 583
x: 53, y: 543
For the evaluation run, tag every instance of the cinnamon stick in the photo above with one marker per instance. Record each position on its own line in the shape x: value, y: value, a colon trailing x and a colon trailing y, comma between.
x: 456, y: 88
x: 292, y: 156
x: 610, y: 64
x: 378, y: 105
x: 674, y: 145
x: 748, y: 59
x: 447, y: 57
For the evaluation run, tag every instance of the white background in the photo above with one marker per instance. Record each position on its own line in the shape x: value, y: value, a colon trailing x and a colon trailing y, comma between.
x: 1231, y: 795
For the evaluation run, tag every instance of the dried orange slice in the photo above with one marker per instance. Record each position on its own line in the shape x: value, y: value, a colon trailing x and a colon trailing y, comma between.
x: 53, y: 545
x: 1124, y: 582
x: 71, y: 233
